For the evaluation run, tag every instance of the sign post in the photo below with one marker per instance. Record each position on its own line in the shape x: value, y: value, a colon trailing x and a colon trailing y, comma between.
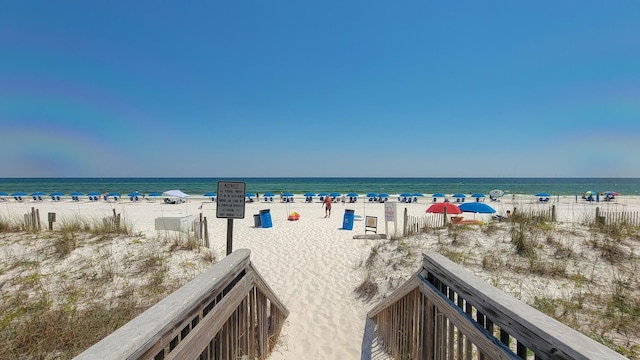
x: 231, y: 205
x: 390, y: 215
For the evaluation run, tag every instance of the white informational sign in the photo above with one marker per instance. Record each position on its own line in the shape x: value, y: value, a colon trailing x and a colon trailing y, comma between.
x: 390, y: 211
x: 231, y: 199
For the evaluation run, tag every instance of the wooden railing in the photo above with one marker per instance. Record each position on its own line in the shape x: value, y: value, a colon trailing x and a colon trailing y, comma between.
x: 445, y: 312
x: 227, y: 312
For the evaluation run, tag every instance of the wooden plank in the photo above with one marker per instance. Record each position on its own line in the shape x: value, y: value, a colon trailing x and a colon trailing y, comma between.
x: 398, y: 294
x: 197, y: 307
x: 191, y: 346
x: 252, y: 321
x: 471, y: 330
x: 431, y: 329
x: 264, y: 288
x: 547, y: 337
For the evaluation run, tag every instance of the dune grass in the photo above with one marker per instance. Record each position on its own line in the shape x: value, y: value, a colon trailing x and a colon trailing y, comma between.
x: 582, y: 274
x: 63, y: 291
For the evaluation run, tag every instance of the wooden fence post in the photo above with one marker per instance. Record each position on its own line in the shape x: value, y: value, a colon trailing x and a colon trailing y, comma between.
x: 206, y: 232
x: 38, y: 220
x: 404, y: 224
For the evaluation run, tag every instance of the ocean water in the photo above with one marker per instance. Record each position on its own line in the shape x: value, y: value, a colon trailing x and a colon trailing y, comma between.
x: 427, y: 186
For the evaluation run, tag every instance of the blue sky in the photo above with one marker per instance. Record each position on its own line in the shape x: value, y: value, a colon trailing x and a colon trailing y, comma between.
x: 320, y: 88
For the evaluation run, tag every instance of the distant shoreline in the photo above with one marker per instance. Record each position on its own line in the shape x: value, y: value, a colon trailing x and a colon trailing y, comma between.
x: 301, y: 185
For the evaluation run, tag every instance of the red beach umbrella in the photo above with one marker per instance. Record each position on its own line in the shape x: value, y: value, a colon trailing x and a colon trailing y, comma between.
x: 439, y: 208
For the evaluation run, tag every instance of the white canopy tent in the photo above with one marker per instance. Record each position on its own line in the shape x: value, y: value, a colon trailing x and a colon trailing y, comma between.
x: 175, y: 193
x: 171, y: 195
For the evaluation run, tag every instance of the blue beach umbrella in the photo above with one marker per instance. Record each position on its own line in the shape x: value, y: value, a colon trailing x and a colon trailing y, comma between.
x: 477, y: 195
x: 459, y: 195
x: 38, y: 193
x: 19, y: 193
x: 94, y: 193
x: 309, y: 194
x: 75, y: 193
x: 287, y: 194
x: 438, y: 195
x: 405, y: 195
x: 114, y: 194
x: 269, y: 194
x: 153, y: 194
x: 2, y: 193
x: 335, y: 194
x: 135, y: 193
x: 209, y: 194
x: 250, y: 195
x: 477, y: 207
x: 417, y: 194
x: 323, y: 194
x: 383, y: 195
x: 352, y: 194
x: 543, y: 195
x: 372, y: 195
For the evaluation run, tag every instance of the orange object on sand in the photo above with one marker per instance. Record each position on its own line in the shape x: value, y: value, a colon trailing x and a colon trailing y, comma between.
x: 293, y: 216
x: 459, y: 220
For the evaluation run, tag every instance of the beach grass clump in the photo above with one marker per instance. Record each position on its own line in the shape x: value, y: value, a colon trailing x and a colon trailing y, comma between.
x: 615, y: 245
x: 179, y: 240
x: 106, y: 227
x: 8, y: 225
x: 75, y: 224
x: 373, y: 257
x: 457, y: 233
x: 64, y: 243
x: 367, y: 289
x: 492, y: 261
x: 209, y: 256
x: 546, y: 268
x: 623, y: 304
x: 112, y: 225
x: 560, y: 249
x: 523, y: 239
x: 527, y: 227
x: 454, y: 255
x: 490, y: 228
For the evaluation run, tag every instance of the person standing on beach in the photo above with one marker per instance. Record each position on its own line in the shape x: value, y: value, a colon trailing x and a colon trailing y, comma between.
x: 327, y: 206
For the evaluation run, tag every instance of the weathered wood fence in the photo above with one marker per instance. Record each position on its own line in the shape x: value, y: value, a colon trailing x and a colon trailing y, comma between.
x: 112, y: 223
x: 32, y: 221
x: 201, y: 230
x: 445, y: 312
x: 611, y: 218
x: 227, y: 312
x: 548, y: 214
x: 418, y: 224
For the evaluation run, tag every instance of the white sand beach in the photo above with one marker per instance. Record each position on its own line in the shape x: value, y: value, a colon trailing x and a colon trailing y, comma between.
x: 313, y: 264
